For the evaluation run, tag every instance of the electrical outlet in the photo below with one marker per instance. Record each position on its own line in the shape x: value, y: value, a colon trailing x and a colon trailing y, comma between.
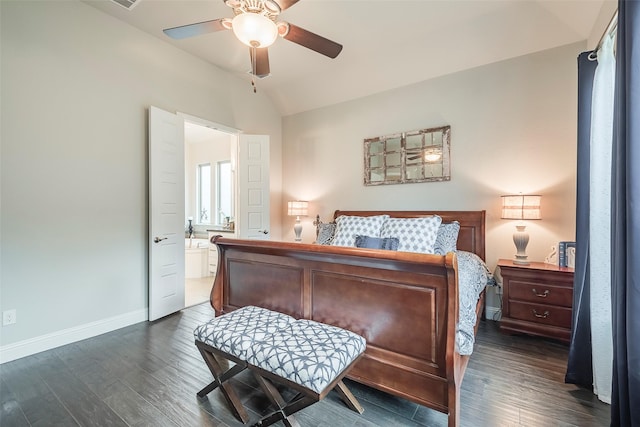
x: 8, y: 317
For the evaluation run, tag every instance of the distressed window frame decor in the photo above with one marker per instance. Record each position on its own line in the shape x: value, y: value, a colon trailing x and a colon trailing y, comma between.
x: 416, y: 156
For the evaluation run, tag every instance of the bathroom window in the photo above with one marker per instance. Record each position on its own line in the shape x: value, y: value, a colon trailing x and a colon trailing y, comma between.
x: 224, y: 191
x: 204, y: 193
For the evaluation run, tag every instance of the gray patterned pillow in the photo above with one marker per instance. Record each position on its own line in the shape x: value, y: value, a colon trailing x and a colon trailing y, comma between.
x: 388, y: 243
x: 348, y: 227
x: 415, y: 234
x: 326, y: 232
x: 447, y: 238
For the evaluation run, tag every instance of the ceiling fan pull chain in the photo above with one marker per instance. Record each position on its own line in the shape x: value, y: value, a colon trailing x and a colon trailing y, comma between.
x: 253, y: 68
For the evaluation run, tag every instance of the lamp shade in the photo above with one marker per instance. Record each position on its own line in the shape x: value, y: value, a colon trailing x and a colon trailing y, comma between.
x: 298, y: 208
x: 521, y: 207
x: 254, y: 29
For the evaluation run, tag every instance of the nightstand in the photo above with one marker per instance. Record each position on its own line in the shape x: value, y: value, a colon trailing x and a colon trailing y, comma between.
x: 536, y: 299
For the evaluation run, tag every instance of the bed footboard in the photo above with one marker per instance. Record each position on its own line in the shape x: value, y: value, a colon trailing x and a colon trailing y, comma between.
x: 404, y: 304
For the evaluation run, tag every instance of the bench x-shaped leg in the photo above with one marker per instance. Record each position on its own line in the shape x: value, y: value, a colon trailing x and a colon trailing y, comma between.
x: 285, y: 410
x: 220, y: 379
x: 348, y: 398
x: 300, y: 401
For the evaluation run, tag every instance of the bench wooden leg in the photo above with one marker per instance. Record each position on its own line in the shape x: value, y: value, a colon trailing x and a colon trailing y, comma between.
x: 303, y: 399
x: 220, y: 380
x: 224, y: 377
x: 348, y: 398
x: 285, y: 410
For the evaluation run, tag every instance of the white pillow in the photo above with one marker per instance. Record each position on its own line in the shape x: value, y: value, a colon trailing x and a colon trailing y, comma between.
x: 348, y: 227
x: 415, y: 234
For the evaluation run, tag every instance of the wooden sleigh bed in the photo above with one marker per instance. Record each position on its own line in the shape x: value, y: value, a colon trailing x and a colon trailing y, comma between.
x: 404, y: 304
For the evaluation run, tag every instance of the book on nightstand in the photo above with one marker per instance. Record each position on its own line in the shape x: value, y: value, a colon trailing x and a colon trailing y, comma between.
x: 564, y: 249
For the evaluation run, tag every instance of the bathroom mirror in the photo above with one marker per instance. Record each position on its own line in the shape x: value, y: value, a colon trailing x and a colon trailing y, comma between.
x: 414, y: 156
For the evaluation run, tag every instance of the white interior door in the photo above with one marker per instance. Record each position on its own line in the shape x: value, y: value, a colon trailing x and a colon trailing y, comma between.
x: 166, y: 213
x: 253, y: 187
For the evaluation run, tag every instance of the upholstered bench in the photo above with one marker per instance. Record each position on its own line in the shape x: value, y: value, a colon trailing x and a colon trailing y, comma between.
x: 230, y: 337
x: 307, y: 356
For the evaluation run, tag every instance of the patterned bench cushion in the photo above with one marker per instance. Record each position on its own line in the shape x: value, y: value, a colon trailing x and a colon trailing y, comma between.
x: 308, y: 353
x: 235, y: 332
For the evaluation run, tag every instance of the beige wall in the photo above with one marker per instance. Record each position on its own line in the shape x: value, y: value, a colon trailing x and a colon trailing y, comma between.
x: 76, y: 85
x: 513, y: 129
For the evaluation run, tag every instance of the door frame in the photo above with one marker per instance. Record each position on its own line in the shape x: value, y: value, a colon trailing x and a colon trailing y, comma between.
x: 208, y: 123
x: 235, y: 159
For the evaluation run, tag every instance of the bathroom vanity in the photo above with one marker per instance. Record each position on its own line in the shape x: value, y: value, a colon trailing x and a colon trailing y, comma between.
x: 213, y: 250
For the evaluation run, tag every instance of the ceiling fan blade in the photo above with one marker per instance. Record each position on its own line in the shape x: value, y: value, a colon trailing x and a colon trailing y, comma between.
x: 259, y: 68
x: 286, y: 4
x: 414, y: 157
x: 192, y: 30
x: 313, y: 41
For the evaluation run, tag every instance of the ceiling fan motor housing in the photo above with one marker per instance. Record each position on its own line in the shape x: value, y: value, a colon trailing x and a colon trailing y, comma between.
x: 268, y: 8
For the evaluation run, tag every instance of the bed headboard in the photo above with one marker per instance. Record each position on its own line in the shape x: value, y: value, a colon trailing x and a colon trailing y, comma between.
x: 472, y: 228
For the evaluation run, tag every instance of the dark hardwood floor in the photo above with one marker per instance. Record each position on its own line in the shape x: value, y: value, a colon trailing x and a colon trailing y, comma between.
x: 148, y: 375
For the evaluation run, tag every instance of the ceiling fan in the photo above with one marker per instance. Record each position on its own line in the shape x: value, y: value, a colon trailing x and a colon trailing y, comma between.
x: 255, y: 24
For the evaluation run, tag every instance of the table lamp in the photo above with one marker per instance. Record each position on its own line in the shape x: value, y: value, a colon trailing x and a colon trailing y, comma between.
x: 298, y: 208
x: 521, y: 207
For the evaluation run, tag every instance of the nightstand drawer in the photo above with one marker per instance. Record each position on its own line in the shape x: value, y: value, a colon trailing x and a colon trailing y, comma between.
x: 540, y: 293
x: 540, y: 313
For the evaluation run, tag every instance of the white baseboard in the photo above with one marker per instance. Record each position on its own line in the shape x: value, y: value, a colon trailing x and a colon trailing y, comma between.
x: 67, y: 336
x: 492, y: 313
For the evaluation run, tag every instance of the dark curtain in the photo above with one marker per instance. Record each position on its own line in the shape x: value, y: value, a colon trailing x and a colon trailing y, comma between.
x: 625, y: 217
x: 579, y: 367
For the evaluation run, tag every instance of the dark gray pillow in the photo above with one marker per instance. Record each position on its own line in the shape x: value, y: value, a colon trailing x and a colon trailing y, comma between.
x: 388, y: 243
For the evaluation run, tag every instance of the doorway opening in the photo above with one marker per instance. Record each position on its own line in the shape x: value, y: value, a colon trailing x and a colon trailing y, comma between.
x: 210, y: 201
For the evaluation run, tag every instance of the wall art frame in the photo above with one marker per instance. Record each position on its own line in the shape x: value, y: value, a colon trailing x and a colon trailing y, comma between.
x: 415, y: 156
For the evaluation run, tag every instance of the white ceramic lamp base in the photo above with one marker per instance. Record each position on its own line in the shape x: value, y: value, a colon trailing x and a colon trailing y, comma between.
x: 298, y: 230
x: 521, y: 240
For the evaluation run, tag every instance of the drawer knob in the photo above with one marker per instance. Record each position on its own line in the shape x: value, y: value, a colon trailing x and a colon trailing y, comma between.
x: 540, y: 316
x: 542, y: 295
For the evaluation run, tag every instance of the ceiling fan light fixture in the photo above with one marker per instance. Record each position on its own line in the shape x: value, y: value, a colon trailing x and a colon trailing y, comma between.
x: 254, y: 30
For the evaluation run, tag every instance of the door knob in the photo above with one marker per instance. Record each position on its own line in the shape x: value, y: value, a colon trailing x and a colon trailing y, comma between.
x: 159, y: 239
x: 263, y: 231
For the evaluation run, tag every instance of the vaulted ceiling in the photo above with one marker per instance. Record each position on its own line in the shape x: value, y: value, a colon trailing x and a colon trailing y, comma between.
x: 387, y: 44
